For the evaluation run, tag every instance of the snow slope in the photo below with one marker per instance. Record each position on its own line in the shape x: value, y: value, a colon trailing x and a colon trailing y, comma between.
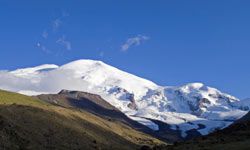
x: 243, y: 104
x: 191, y: 106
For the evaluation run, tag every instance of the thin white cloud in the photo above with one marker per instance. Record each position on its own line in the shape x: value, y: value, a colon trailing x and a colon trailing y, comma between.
x: 51, y: 81
x: 134, y: 41
x: 65, y: 14
x: 58, y: 21
x: 45, y: 34
x: 53, y: 31
x: 56, y: 24
x: 65, y: 43
x: 43, y: 47
x: 101, y: 54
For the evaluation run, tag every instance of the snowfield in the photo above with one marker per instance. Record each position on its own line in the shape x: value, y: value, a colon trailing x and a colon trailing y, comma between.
x: 182, y: 107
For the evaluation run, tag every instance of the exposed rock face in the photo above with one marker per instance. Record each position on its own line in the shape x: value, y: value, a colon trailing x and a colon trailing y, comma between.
x: 132, y: 105
x: 123, y: 94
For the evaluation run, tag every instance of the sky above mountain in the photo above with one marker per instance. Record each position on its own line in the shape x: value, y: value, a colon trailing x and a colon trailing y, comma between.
x: 168, y: 42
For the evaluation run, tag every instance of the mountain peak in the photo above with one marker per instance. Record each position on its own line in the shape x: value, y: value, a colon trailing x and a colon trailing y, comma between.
x: 83, y: 63
x: 195, y: 85
x: 182, y: 107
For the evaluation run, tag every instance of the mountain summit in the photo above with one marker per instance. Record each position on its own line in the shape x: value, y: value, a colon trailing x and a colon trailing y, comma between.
x: 184, y: 109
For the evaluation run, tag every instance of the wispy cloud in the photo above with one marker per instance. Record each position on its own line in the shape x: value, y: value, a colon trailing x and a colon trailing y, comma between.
x: 51, y: 35
x: 42, y: 47
x: 101, y: 54
x: 56, y: 23
x: 45, y: 34
x: 64, y: 42
x: 134, y: 41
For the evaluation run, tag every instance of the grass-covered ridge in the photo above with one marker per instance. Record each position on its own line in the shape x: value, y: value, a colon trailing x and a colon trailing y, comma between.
x: 7, y: 98
x: 27, y: 123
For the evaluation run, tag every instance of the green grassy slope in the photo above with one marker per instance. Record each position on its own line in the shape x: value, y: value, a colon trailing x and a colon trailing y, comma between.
x: 7, y: 98
x: 27, y: 123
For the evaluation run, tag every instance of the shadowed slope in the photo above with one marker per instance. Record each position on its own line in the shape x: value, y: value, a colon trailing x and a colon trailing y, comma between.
x: 234, y: 137
x: 92, y: 103
x: 27, y: 123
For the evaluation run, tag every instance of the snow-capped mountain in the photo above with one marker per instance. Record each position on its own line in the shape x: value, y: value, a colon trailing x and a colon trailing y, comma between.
x: 243, y: 104
x: 192, y: 106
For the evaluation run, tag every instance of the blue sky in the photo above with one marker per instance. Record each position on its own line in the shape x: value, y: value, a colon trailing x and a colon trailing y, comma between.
x: 171, y: 42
